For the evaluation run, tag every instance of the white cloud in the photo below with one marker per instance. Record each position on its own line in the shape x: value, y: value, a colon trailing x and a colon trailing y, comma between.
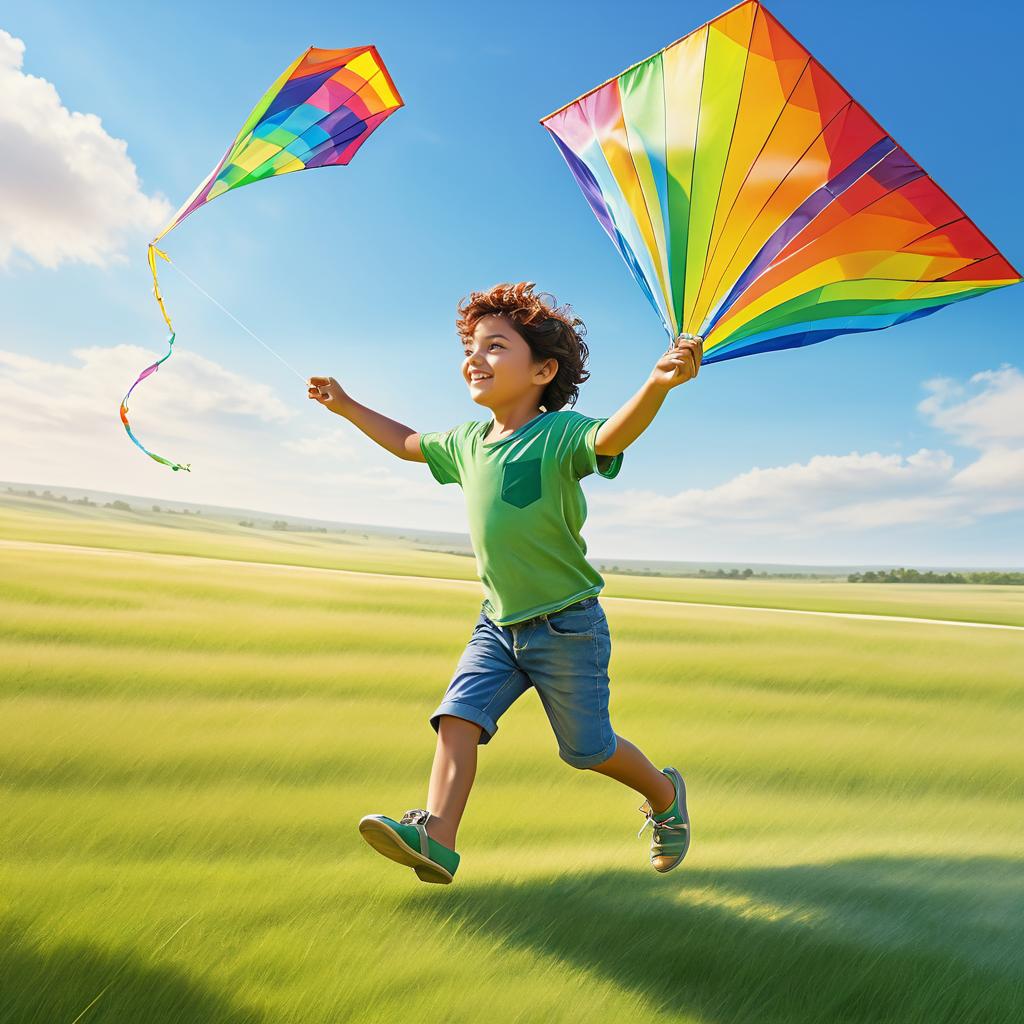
x: 332, y: 444
x: 68, y: 191
x: 882, y: 513
x: 999, y: 469
x: 992, y: 416
x: 860, y: 493
x: 825, y: 491
x: 248, y: 448
x: 252, y: 448
x: 186, y: 396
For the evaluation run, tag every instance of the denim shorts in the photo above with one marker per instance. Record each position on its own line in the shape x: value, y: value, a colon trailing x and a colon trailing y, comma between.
x: 564, y: 654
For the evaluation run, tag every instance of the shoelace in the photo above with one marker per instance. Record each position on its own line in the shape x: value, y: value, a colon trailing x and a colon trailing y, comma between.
x: 416, y: 817
x: 680, y: 826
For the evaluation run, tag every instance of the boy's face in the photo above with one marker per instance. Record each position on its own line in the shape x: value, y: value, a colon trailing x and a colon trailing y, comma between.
x: 498, y: 364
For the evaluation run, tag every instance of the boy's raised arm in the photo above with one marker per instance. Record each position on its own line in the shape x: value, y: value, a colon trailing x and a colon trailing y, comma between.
x: 679, y: 364
x: 390, y: 434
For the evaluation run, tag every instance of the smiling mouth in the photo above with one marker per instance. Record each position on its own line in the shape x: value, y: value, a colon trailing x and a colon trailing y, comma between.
x: 478, y: 380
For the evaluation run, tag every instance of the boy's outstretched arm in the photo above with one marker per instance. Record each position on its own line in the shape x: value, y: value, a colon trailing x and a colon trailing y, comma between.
x: 390, y: 434
x: 678, y: 365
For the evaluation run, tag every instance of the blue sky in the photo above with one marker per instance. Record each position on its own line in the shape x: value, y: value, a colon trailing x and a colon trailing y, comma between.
x: 811, y: 455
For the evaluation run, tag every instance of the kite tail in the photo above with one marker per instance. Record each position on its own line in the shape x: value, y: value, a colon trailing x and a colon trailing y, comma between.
x: 153, y: 253
x: 124, y: 409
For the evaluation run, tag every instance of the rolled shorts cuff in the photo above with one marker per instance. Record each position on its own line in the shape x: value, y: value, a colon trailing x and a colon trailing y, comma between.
x: 462, y: 710
x: 590, y: 759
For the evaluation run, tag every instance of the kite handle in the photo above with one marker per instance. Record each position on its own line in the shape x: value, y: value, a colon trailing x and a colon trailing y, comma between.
x: 683, y: 336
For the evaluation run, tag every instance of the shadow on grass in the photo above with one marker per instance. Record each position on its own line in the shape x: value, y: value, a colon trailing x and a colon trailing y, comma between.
x: 901, y: 940
x: 54, y: 985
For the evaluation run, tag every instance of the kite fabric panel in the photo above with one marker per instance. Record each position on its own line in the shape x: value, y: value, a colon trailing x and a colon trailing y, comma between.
x: 757, y: 204
x: 323, y: 107
x: 318, y: 113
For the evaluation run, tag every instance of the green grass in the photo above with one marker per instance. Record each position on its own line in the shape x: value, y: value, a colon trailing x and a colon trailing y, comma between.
x: 188, y: 745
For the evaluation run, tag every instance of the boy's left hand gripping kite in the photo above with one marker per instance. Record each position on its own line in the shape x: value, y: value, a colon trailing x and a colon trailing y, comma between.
x: 317, y: 114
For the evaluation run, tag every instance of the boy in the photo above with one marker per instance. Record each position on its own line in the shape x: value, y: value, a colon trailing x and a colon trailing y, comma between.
x: 540, y: 623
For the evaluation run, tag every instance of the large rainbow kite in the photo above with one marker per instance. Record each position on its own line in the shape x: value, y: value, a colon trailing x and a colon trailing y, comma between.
x: 757, y: 204
x: 318, y: 113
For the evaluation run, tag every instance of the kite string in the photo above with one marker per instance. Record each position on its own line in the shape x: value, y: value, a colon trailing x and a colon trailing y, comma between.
x: 224, y: 309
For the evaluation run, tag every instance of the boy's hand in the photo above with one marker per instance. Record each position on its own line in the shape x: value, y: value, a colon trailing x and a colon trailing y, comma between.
x: 328, y: 392
x: 679, y: 364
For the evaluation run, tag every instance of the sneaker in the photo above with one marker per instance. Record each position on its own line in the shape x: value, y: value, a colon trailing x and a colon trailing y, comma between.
x: 407, y: 842
x: 671, y: 837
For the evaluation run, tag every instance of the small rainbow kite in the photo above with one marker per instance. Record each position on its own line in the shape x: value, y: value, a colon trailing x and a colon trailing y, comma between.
x: 757, y: 204
x: 318, y: 113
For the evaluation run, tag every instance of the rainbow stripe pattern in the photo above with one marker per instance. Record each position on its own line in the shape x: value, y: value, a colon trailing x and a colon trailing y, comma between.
x: 757, y: 204
x: 318, y: 113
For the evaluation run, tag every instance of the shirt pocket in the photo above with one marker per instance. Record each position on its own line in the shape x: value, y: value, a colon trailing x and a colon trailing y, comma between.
x: 520, y: 482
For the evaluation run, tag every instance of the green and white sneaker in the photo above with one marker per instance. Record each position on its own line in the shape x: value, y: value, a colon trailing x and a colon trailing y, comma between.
x: 407, y: 842
x: 671, y: 837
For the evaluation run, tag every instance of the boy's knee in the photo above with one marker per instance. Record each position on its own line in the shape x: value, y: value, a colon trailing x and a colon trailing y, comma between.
x: 584, y: 764
x: 587, y: 761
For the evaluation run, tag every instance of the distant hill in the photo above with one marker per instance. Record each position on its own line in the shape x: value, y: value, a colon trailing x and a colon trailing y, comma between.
x: 98, y: 502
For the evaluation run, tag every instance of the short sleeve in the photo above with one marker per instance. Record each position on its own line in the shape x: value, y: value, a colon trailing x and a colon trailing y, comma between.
x: 441, y: 450
x: 578, y: 454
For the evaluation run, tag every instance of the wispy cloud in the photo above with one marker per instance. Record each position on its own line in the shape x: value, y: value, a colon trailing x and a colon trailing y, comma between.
x: 251, y: 448
x: 861, y: 492
x: 825, y: 492
x: 988, y: 417
x: 189, y: 395
x: 334, y: 444
x: 59, y: 424
x: 69, y: 192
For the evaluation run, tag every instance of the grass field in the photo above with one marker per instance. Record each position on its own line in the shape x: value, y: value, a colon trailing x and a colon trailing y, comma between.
x: 189, y: 742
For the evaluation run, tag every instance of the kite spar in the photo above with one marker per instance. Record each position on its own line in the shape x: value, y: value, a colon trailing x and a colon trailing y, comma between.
x: 318, y: 113
x: 758, y: 205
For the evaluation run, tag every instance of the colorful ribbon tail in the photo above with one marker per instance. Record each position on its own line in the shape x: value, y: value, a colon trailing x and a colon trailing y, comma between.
x: 124, y: 405
x: 151, y: 256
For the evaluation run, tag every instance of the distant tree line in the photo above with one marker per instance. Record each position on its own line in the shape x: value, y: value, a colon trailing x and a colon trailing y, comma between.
x: 915, y: 576
x: 719, y: 574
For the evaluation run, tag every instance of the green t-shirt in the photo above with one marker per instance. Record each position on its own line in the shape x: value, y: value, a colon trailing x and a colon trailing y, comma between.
x: 526, y: 508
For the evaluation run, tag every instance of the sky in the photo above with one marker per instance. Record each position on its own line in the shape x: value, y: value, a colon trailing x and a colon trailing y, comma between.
x: 903, y: 446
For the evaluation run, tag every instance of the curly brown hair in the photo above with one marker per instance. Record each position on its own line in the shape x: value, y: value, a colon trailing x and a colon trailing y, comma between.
x: 551, y: 331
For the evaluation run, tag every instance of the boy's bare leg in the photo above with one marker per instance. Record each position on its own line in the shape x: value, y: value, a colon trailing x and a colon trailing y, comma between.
x: 451, y: 777
x: 630, y: 766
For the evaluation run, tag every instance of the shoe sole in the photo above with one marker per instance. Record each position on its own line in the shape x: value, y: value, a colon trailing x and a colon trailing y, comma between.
x: 681, y: 797
x: 385, y: 840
